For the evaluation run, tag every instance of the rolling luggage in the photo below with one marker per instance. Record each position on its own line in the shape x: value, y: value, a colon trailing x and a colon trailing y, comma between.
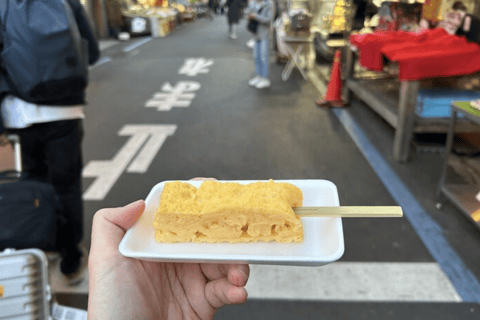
x: 25, y: 291
x: 28, y: 210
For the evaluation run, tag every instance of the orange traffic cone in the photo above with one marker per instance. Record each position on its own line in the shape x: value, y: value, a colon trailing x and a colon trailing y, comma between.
x: 334, y: 91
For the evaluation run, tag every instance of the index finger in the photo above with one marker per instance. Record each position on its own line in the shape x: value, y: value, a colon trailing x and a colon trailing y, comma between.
x: 237, y: 274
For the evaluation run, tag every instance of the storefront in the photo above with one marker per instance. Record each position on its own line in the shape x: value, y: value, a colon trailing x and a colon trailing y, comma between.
x: 411, y: 69
x: 155, y: 17
x: 388, y: 61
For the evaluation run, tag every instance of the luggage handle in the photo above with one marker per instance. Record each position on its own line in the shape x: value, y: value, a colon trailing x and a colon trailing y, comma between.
x: 15, y: 140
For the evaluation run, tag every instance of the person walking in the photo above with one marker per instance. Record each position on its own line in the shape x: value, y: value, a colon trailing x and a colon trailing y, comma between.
x: 262, y: 13
x: 250, y: 8
x: 222, y: 4
x: 212, y: 8
x: 233, y: 15
x: 115, y: 19
x: 49, y: 119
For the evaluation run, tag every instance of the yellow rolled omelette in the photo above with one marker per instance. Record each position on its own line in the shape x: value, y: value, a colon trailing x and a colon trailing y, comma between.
x: 228, y: 212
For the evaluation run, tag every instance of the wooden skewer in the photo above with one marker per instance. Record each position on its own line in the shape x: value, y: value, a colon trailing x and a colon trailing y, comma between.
x: 350, y: 212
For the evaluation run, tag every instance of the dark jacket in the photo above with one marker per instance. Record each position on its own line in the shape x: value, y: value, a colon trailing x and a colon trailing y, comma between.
x: 94, y: 54
x: 213, y: 4
x: 234, y: 11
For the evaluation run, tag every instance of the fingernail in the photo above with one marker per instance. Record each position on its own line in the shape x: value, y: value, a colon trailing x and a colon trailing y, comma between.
x: 134, y: 203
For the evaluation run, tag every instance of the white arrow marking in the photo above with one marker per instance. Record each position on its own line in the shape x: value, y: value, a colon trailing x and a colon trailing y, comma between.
x: 158, y: 136
x: 108, y: 172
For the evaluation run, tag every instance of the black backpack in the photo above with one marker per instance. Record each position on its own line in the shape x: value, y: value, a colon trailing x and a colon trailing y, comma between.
x: 44, y: 56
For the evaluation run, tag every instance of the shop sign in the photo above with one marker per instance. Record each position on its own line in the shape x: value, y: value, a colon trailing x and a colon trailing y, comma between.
x: 139, y: 25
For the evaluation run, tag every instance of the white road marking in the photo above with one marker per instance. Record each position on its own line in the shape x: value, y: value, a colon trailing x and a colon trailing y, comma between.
x: 179, y: 96
x: 353, y: 281
x: 340, y: 281
x: 158, y: 136
x: 136, y: 44
x: 108, y: 172
x: 194, y: 66
x: 101, y: 61
x: 105, y: 44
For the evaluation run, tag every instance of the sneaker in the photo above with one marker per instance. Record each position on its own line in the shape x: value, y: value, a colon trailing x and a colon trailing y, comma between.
x: 251, y: 43
x: 233, y: 36
x: 253, y: 82
x: 263, y: 83
x: 77, y: 276
x: 124, y: 36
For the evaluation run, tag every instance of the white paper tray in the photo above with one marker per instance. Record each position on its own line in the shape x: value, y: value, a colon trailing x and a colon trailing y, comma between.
x: 323, y: 237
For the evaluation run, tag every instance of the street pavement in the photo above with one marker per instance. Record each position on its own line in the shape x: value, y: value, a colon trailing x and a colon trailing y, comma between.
x: 179, y: 107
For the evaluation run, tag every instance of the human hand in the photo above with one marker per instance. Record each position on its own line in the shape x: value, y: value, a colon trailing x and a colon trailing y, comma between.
x: 126, y: 288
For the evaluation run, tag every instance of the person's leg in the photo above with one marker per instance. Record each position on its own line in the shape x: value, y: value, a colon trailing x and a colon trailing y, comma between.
x: 258, y: 69
x: 264, y: 58
x: 258, y: 61
x: 63, y: 156
x: 263, y: 61
x: 234, y: 31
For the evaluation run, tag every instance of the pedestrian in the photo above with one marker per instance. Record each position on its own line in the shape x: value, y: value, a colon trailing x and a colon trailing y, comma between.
x: 126, y: 288
x: 233, y: 15
x: 222, y: 4
x: 212, y: 8
x: 115, y: 19
x: 453, y: 18
x: 263, y: 15
x: 50, y: 132
x: 250, y: 8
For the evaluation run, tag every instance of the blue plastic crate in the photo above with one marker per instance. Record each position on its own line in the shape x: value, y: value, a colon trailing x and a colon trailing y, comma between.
x: 435, y: 103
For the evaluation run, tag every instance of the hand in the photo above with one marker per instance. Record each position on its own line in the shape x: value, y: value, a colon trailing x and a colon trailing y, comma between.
x: 252, y: 16
x: 125, y: 288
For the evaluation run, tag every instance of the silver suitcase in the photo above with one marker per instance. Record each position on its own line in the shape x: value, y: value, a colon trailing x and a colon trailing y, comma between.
x: 25, y: 292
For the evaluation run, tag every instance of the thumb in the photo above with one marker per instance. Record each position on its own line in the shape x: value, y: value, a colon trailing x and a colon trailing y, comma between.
x: 109, y: 225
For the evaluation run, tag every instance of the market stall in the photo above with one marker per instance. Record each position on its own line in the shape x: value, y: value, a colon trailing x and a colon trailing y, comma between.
x: 160, y: 17
x: 463, y: 194
x: 155, y: 17
x: 416, y: 62
x: 326, y: 24
x: 294, y: 41
x: 332, y: 21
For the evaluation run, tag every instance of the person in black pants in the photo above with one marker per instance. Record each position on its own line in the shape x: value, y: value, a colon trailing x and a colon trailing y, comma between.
x: 233, y: 15
x: 51, y: 136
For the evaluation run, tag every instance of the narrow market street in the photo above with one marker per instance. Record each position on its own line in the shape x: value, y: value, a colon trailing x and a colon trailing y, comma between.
x: 180, y: 107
